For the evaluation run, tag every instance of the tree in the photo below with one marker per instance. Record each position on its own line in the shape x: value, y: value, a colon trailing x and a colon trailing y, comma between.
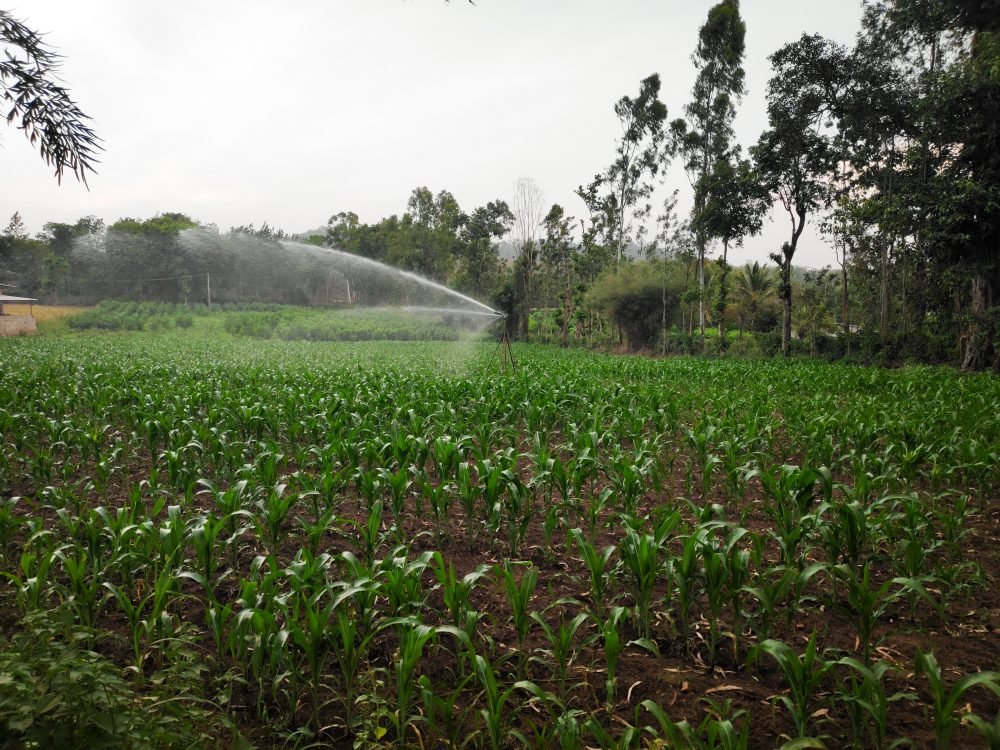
x: 632, y: 296
x: 619, y: 191
x: 15, y: 228
x: 795, y: 156
x: 40, y: 106
x: 480, y: 264
x: 433, y: 242
x: 559, y: 254
x: 921, y: 121
x: 813, y: 321
x: 754, y: 288
x: 704, y: 138
x: 733, y: 206
x: 528, y: 212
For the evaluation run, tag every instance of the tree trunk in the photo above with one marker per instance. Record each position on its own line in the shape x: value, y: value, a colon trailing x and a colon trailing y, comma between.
x: 884, y: 296
x: 786, y: 313
x: 978, y: 336
x: 701, y: 291
x: 723, y: 296
x: 843, y: 295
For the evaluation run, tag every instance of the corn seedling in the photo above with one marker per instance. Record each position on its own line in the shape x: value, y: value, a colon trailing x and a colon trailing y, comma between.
x: 803, y: 675
x: 945, y: 699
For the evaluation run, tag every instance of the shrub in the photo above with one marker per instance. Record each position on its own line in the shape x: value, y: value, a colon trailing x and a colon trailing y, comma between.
x: 55, y: 692
x: 633, y: 296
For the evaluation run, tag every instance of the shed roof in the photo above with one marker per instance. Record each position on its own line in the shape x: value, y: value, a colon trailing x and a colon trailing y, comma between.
x: 8, y: 298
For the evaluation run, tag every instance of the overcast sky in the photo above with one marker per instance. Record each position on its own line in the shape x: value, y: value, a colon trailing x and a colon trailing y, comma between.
x: 238, y: 112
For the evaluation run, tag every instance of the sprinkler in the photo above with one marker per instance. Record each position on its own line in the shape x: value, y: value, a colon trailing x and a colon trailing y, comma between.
x: 503, y: 354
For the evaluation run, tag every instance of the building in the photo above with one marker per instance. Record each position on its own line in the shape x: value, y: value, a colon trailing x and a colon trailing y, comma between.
x: 15, y: 325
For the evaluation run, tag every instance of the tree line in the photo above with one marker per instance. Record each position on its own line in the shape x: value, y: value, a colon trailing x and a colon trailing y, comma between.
x: 888, y: 146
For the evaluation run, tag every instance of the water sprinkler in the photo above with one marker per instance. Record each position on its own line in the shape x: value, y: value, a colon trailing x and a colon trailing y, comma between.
x: 504, y: 354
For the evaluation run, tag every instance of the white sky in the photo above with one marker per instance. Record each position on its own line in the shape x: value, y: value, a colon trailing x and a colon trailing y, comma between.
x: 244, y: 111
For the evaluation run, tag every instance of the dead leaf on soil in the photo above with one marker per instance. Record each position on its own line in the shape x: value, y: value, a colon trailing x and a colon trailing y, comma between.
x: 722, y: 688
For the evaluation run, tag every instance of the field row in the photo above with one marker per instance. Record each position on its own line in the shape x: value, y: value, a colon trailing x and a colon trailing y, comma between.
x: 360, y: 544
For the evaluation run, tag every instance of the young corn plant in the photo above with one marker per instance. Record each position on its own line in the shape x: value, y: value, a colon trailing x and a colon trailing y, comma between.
x: 413, y: 636
x: 272, y: 512
x: 496, y: 712
x: 83, y: 581
x: 610, y: 634
x: 715, y: 732
x: 457, y: 595
x: 562, y: 646
x: 445, y: 712
x: 32, y: 578
x: 398, y: 482
x: 519, y: 595
x: 402, y: 581
x: 641, y: 560
x: 945, y: 699
x: 599, y: 568
x: 803, y: 675
x: 863, y: 692
x: 990, y: 731
x: 715, y: 578
x: 737, y: 579
x: 518, y: 510
x: 869, y: 603
x: 685, y: 574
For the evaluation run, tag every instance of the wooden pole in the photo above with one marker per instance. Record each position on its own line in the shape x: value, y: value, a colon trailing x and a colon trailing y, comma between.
x: 208, y: 289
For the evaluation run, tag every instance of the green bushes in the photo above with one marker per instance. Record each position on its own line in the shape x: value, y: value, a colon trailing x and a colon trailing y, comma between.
x: 637, y: 297
x: 55, y: 692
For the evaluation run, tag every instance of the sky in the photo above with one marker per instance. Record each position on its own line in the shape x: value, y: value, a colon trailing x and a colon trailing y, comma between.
x: 249, y: 111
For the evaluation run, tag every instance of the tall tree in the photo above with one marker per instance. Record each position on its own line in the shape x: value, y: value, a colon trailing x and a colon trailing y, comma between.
x: 436, y: 221
x: 479, y: 253
x: 40, y: 105
x: 924, y: 211
x: 704, y: 138
x: 796, y: 156
x: 733, y: 206
x: 528, y: 209
x: 560, y: 256
x: 620, y: 193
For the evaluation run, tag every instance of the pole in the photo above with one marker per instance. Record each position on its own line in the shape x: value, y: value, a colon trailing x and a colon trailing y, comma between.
x: 208, y: 289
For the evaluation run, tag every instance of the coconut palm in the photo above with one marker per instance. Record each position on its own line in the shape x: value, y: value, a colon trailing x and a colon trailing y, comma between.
x: 755, y: 285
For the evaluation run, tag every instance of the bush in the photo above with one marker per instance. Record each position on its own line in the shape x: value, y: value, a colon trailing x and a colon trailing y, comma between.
x: 633, y: 296
x: 56, y: 693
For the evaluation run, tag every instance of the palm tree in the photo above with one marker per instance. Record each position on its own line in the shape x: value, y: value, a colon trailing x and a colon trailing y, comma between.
x: 755, y: 285
x: 39, y: 105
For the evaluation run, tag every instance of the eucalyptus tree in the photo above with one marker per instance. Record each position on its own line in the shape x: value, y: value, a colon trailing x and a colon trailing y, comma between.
x: 796, y: 155
x: 528, y: 211
x: 560, y: 256
x: 705, y: 137
x: 40, y: 105
x: 621, y: 192
x: 436, y: 221
x: 478, y: 250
